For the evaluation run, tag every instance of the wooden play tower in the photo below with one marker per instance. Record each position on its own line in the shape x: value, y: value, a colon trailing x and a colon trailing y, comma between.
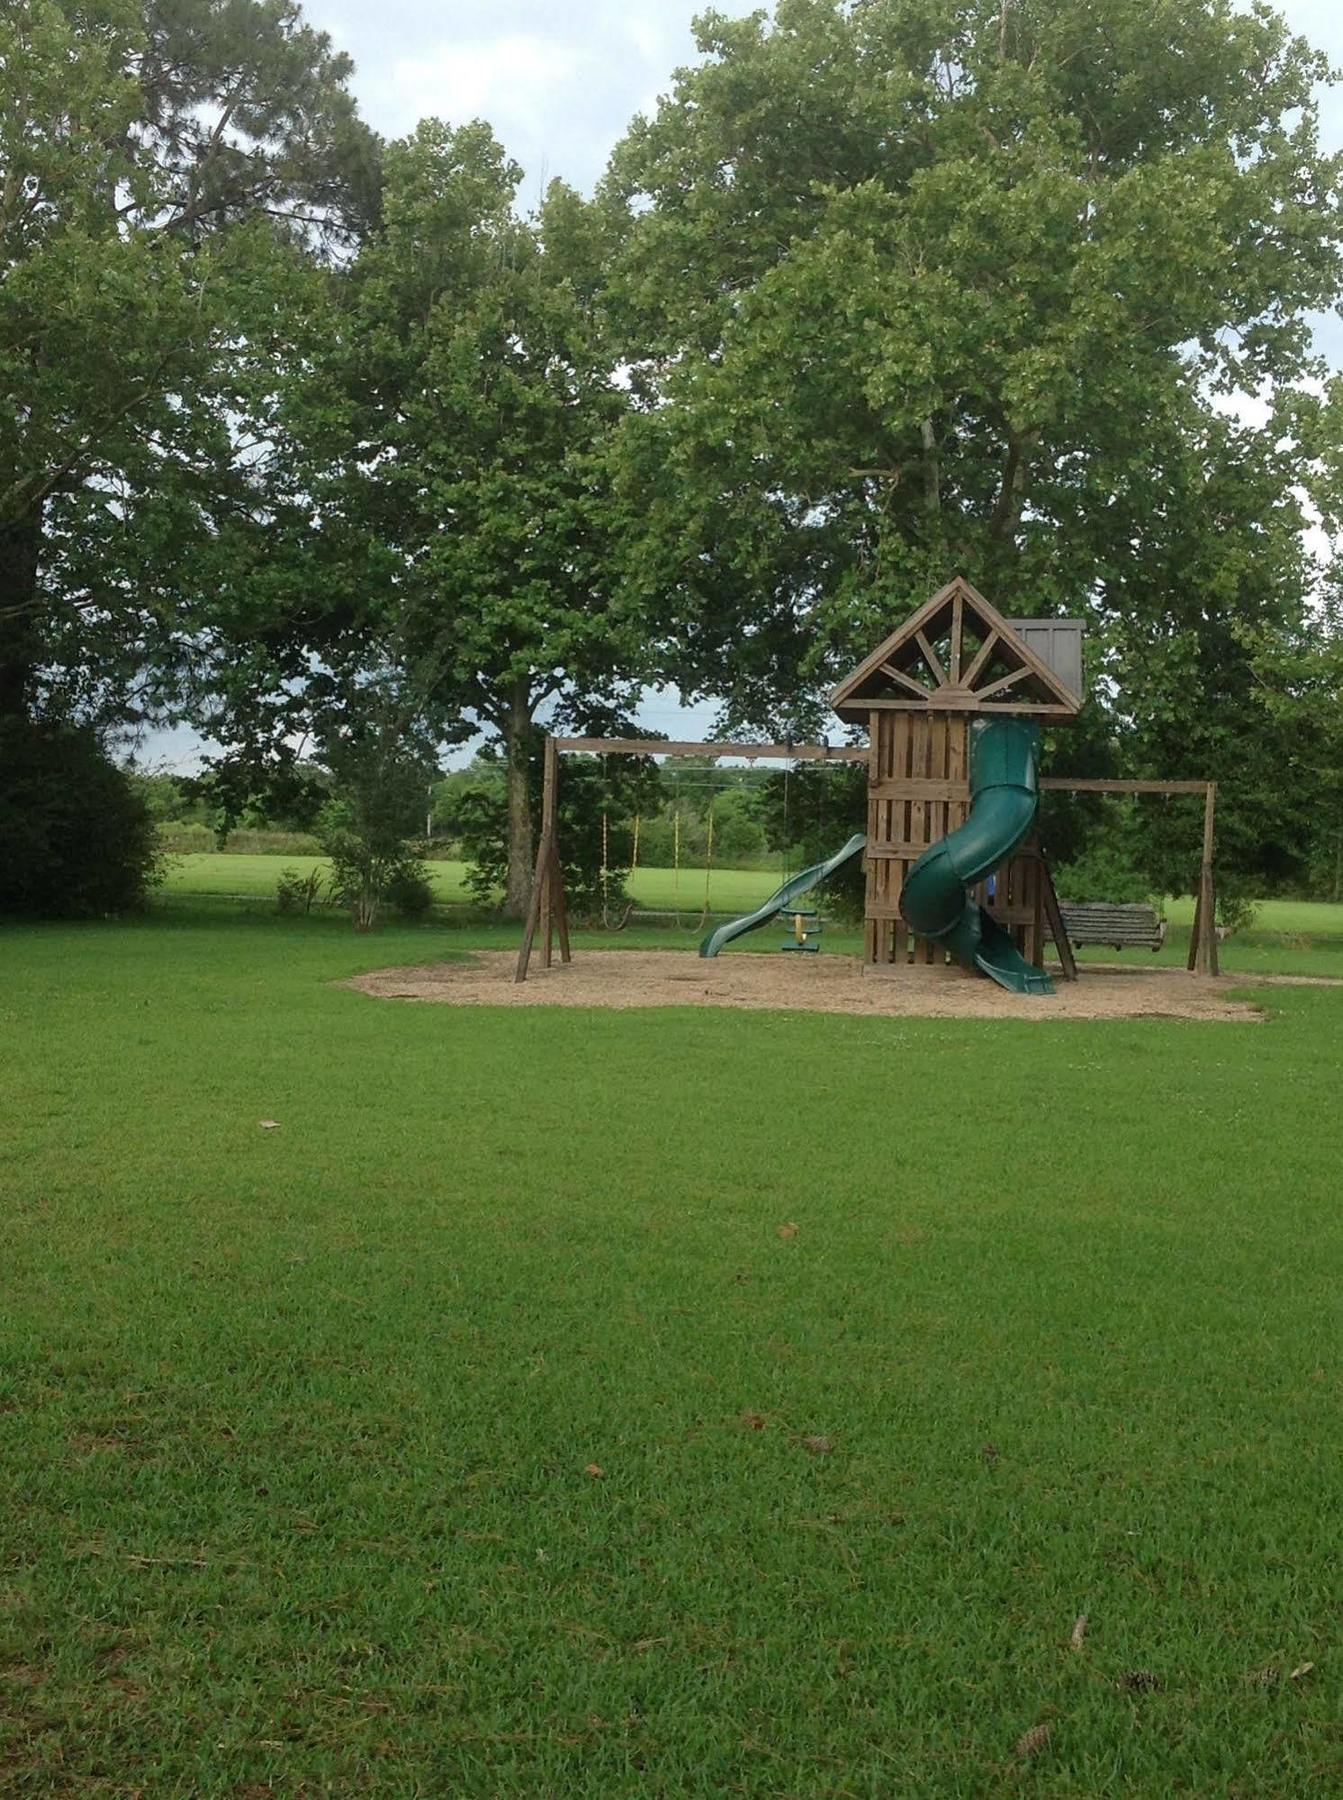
x: 955, y: 658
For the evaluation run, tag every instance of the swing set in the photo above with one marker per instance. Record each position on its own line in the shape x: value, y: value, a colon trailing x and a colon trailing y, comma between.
x: 804, y: 925
x: 676, y: 858
x: 548, y: 914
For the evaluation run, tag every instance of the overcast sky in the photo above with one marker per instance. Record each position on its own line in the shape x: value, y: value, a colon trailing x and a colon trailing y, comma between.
x: 559, y: 80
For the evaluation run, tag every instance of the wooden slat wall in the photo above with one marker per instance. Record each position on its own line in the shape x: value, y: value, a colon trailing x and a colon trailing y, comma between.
x: 918, y: 791
x: 1018, y: 902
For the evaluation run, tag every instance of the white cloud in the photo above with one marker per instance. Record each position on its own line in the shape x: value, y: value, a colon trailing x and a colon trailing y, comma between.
x: 520, y: 79
x: 558, y: 82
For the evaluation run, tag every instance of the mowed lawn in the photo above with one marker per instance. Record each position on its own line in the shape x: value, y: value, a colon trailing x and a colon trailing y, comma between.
x: 687, y: 1402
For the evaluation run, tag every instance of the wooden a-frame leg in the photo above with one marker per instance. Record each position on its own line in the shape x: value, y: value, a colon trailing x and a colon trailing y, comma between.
x: 561, y: 909
x: 534, y: 909
x: 1054, y: 916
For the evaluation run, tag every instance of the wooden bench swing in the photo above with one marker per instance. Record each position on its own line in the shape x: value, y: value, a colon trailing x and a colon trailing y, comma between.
x: 1123, y: 925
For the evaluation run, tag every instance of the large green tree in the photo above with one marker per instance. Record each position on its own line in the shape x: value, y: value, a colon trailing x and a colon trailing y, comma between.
x: 917, y: 286
x: 445, y: 455
x: 166, y: 167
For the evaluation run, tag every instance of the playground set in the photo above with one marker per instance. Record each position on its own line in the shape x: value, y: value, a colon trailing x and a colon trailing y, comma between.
x: 952, y: 701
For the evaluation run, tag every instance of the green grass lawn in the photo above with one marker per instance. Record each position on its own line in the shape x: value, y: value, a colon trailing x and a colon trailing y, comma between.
x: 480, y: 1429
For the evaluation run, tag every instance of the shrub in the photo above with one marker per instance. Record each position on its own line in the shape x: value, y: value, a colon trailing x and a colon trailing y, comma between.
x: 1101, y: 872
x: 195, y: 839
x: 76, y: 838
x: 409, y: 890
x: 297, y: 892
x: 370, y: 866
x: 1235, y: 912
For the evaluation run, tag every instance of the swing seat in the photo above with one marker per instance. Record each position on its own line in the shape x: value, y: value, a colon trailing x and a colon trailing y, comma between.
x: 803, y: 924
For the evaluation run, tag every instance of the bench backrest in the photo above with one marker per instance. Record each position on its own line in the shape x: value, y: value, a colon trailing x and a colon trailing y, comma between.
x: 1117, y: 924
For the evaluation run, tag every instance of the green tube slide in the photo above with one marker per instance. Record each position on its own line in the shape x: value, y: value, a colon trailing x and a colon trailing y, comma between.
x: 781, y: 900
x: 1004, y: 795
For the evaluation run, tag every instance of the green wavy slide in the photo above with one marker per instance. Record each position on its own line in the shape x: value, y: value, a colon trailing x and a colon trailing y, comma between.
x: 1004, y: 796
x: 781, y: 900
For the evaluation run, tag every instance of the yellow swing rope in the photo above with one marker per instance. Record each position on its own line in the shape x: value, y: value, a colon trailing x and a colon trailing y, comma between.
x: 676, y: 864
x: 604, y: 873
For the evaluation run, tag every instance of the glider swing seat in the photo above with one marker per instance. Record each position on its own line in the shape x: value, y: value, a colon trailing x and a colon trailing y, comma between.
x: 1114, y: 926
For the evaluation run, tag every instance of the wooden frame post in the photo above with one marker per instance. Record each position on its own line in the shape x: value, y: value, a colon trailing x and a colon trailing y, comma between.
x: 546, y: 908
x: 549, y: 773
x: 1054, y: 919
x: 1203, y: 938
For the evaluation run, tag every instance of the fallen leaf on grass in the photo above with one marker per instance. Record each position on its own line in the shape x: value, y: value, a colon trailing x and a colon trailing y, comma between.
x: 818, y: 1446
x: 1301, y: 1670
x: 786, y: 1231
x: 1078, y: 1637
x: 1138, y: 1681
x: 753, y: 1421
x: 594, y: 1469
x: 1032, y: 1742
x: 269, y: 1124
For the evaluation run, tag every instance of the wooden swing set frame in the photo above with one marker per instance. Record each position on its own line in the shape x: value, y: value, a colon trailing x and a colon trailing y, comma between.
x: 548, y: 914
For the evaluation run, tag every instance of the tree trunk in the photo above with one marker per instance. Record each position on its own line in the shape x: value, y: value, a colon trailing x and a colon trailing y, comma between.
x: 1012, y: 494
x: 20, y: 640
x: 932, y: 477
x: 518, y: 742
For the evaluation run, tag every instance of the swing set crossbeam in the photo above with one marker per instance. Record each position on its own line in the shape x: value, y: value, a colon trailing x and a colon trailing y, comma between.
x: 593, y: 746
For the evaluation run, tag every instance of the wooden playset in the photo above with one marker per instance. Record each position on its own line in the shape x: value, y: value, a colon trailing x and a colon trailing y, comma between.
x: 954, y: 870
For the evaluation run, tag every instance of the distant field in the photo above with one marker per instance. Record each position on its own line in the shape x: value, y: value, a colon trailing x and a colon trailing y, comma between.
x: 730, y: 890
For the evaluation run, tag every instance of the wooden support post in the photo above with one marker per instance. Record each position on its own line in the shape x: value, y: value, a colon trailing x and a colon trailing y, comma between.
x: 547, y: 909
x: 1210, y: 957
x: 1203, y: 939
x: 1054, y: 916
x: 543, y: 859
x: 549, y: 776
x: 561, y: 908
x: 1210, y: 900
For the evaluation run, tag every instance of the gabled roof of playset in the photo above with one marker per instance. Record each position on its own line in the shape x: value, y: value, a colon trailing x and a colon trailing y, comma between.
x: 958, y: 653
